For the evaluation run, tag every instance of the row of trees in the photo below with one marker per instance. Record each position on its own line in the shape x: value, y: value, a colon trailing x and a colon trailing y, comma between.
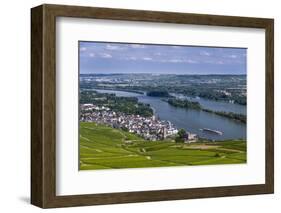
x: 158, y: 94
x: 184, y: 103
x: 239, y: 117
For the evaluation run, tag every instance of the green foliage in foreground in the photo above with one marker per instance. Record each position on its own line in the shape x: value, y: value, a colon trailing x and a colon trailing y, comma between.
x: 102, y: 147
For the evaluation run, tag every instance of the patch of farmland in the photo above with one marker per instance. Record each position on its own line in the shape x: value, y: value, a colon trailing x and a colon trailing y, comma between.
x: 103, y: 147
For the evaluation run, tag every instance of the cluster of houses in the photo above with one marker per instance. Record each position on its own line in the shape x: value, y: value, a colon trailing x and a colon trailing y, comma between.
x: 149, y: 128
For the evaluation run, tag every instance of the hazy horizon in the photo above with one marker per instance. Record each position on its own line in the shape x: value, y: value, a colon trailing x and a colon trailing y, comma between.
x: 122, y: 58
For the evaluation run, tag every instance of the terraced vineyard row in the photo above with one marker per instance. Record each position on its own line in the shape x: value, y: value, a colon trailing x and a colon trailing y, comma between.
x: 103, y: 147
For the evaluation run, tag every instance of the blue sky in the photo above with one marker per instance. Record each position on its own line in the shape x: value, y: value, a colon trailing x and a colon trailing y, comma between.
x: 105, y: 57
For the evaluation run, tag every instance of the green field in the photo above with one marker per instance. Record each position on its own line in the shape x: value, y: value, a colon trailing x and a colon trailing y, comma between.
x: 103, y: 147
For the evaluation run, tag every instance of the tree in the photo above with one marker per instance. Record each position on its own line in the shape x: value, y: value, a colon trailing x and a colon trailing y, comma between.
x: 180, y: 136
x: 182, y: 133
x: 179, y: 139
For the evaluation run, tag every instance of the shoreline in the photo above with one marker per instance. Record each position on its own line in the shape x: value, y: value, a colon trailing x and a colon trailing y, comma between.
x: 159, y: 116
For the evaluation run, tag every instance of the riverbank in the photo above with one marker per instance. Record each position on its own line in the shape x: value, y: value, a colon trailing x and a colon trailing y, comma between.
x: 205, y: 103
x: 191, y: 120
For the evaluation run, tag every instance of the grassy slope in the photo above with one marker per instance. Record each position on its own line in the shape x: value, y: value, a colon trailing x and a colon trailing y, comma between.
x: 102, y: 147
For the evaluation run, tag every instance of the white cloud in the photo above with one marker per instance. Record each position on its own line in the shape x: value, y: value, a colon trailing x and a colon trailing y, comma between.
x: 83, y: 49
x: 190, y: 61
x: 137, y: 46
x: 105, y: 55
x: 130, y: 58
x: 158, y: 54
x: 220, y: 62
x: 230, y: 56
x: 113, y: 47
x: 147, y: 59
x: 175, y: 61
x: 205, y: 53
x: 214, y: 62
x: 92, y: 55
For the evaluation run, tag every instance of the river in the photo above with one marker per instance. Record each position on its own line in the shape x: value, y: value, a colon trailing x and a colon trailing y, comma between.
x: 195, y: 120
